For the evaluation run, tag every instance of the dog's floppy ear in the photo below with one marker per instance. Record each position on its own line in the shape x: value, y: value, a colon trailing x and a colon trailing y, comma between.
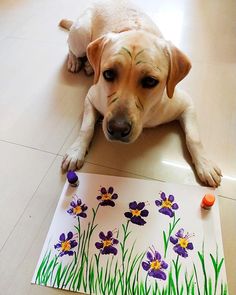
x: 179, y: 66
x: 94, y: 54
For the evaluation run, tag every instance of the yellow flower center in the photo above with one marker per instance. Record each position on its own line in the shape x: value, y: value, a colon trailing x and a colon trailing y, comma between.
x: 166, y: 204
x: 106, y: 197
x: 65, y: 246
x: 77, y: 210
x: 183, y: 242
x: 155, y: 264
x: 136, y: 212
x: 107, y: 243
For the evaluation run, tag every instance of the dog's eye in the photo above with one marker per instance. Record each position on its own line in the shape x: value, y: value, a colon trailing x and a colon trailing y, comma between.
x: 109, y: 75
x: 149, y: 82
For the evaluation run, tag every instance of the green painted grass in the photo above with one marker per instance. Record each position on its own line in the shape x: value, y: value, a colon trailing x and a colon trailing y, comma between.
x: 110, y: 280
x: 125, y: 276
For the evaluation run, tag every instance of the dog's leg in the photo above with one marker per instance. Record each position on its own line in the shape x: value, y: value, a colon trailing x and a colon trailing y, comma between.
x: 207, y: 171
x: 74, y: 158
x: 78, y: 41
x: 74, y: 64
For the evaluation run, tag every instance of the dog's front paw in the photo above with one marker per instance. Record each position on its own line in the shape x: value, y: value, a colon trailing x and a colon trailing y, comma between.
x: 73, y: 159
x: 208, y: 172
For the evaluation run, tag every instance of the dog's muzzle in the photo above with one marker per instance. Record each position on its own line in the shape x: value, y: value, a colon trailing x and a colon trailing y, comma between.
x: 119, y: 128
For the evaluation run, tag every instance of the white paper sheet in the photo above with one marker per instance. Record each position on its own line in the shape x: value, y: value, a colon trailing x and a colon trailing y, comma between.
x: 133, y: 248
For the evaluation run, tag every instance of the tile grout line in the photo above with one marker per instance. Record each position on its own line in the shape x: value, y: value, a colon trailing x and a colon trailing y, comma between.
x: 28, y: 147
x: 59, y: 155
x: 53, y: 161
x: 151, y: 178
x: 147, y: 177
x: 225, y: 197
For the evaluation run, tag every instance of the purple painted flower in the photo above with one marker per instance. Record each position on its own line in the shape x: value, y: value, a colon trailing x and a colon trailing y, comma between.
x: 66, y: 244
x: 136, y: 213
x: 77, y: 208
x: 181, y: 243
x: 107, y: 197
x: 167, y: 204
x: 155, y: 266
x: 106, y: 245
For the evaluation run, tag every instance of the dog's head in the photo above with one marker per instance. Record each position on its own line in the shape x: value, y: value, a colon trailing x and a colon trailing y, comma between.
x: 134, y: 68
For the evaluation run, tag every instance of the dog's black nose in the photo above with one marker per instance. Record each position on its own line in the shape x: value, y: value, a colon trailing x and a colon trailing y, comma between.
x: 118, y: 128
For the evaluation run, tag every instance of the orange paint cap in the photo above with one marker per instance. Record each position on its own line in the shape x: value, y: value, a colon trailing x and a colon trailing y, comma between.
x: 208, y: 200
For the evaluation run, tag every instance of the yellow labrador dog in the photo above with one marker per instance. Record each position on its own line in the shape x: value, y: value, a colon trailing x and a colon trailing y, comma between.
x: 135, y: 76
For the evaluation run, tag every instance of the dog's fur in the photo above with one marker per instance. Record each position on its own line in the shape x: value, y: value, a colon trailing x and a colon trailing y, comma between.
x: 129, y: 55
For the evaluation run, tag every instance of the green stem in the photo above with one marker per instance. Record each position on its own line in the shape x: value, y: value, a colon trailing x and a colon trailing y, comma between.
x: 97, y: 259
x: 54, y: 265
x: 146, y: 287
x: 82, y: 251
x: 196, y: 277
x: 88, y: 241
x: 170, y: 231
x: 78, y: 228
x: 217, y: 267
x: 176, y: 265
x: 67, y: 272
x: 202, y: 260
x: 124, y: 253
x: 78, y: 256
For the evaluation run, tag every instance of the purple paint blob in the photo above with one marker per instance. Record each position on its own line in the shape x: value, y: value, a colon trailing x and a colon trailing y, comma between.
x: 72, y: 178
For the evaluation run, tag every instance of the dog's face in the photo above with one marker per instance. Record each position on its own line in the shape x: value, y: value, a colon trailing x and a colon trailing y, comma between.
x: 133, y: 69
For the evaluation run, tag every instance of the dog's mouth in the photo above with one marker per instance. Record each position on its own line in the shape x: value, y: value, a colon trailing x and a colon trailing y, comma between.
x: 125, y: 139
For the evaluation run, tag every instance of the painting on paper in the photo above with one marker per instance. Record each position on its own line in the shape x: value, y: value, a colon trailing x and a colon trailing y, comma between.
x: 120, y: 236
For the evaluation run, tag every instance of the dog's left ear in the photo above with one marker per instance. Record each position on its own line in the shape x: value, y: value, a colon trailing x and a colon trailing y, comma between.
x: 179, y: 66
x: 94, y: 54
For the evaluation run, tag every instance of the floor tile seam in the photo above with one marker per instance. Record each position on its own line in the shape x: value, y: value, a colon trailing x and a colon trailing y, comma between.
x: 66, y: 138
x: 27, y: 204
x: 28, y: 147
x: 125, y: 171
x: 151, y: 178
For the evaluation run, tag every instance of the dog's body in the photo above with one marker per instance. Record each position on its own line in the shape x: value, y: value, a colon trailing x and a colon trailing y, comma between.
x: 135, y: 74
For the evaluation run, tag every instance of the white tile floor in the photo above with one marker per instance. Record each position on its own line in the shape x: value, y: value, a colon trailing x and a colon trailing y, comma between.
x: 40, y: 113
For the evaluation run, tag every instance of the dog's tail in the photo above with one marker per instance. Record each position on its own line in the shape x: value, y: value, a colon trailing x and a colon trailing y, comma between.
x: 66, y: 24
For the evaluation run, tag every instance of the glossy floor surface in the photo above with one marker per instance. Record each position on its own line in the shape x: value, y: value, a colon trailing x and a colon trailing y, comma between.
x: 40, y: 114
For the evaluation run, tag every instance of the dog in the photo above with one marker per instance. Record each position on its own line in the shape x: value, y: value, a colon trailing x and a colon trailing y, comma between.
x: 135, y: 76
